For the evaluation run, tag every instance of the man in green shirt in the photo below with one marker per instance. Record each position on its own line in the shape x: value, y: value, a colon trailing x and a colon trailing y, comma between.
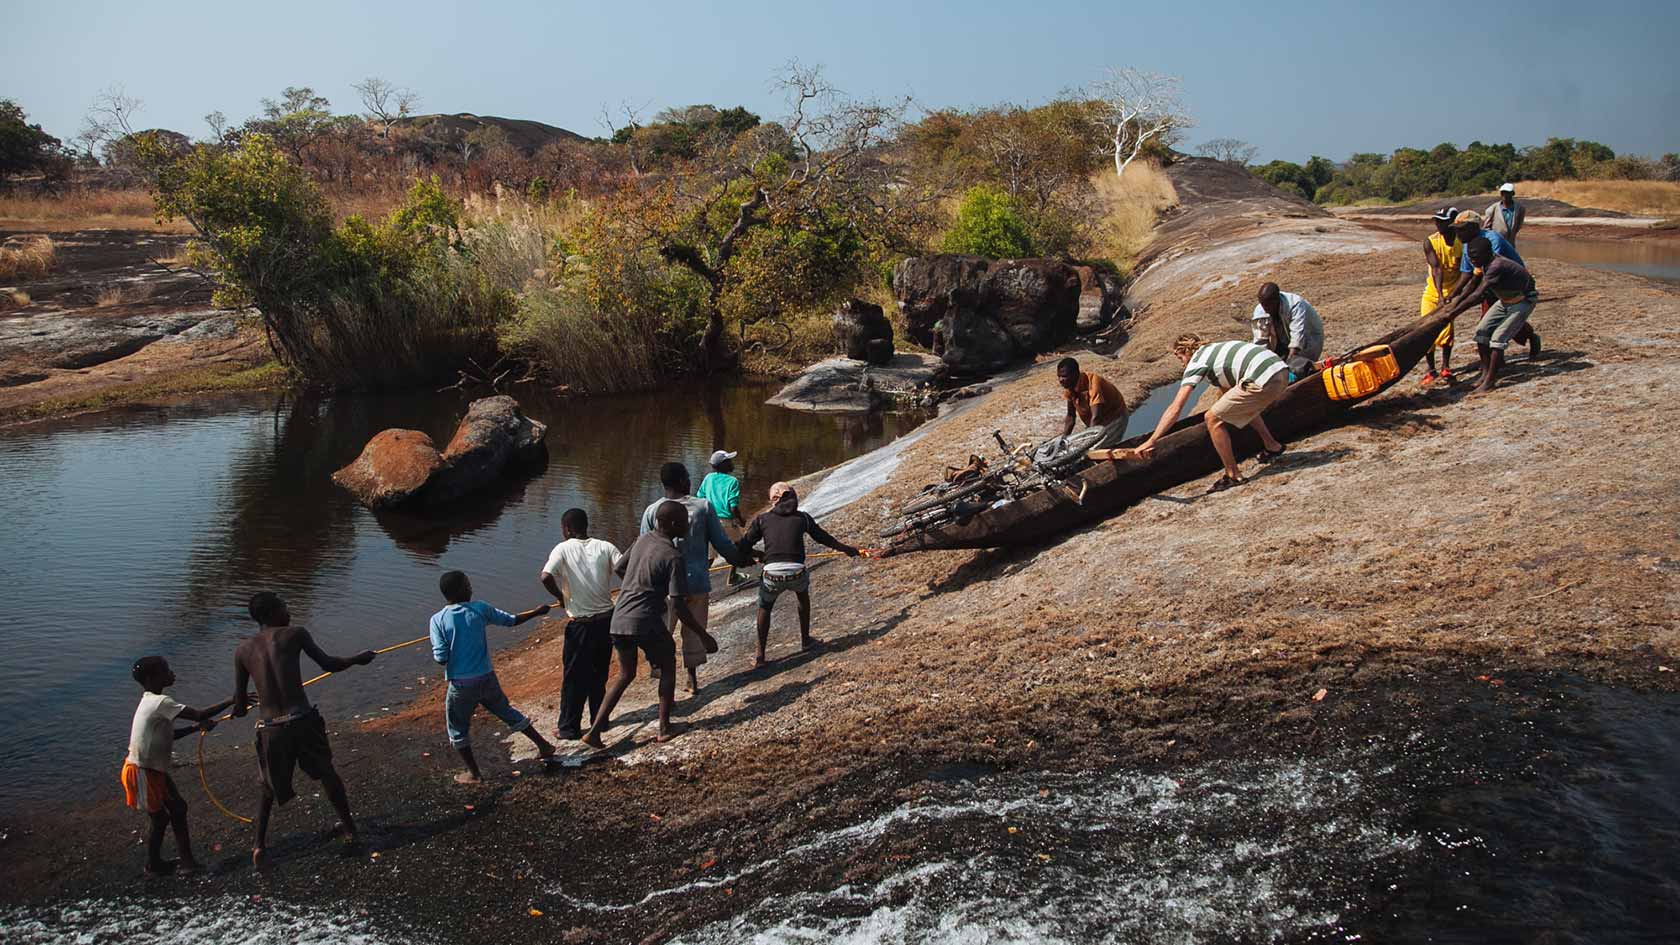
x: 723, y: 491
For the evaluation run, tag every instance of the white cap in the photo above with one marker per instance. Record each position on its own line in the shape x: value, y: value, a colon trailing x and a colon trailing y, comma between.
x: 721, y: 456
x: 1507, y: 188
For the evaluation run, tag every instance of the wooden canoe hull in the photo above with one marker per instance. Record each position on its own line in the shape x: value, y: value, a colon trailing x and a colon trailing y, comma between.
x: 1183, y: 455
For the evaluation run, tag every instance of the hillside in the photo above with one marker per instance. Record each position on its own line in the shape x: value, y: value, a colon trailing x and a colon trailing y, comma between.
x: 523, y: 133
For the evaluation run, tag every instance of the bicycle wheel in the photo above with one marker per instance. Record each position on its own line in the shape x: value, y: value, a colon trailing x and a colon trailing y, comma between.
x: 944, y: 498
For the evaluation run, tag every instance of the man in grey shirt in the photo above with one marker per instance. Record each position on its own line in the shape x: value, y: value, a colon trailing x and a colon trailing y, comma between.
x: 652, y: 583
x: 1505, y: 217
x: 1289, y: 327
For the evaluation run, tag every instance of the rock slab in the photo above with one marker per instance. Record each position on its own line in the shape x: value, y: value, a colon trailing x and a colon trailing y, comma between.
x: 403, y: 468
x: 847, y: 385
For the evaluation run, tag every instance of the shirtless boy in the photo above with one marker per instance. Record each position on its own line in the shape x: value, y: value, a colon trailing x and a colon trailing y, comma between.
x: 291, y: 733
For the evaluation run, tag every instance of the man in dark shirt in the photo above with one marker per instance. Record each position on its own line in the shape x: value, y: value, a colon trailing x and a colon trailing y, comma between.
x: 653, y: 582
x: 292, y: 733
x: 783, y: 529
x: 1513, y: 288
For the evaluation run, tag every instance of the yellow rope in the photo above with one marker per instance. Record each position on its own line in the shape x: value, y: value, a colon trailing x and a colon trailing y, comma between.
x: 205, y: 781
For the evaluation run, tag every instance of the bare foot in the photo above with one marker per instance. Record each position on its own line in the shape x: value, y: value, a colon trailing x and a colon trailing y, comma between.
x: 546, y: 753
x: 260, y: 859
x: 667, y: 733
x: 810, y: 643
x: 467, y: 777
x: 593, y: 739
x: 760, y: 662
x: 161, y: 868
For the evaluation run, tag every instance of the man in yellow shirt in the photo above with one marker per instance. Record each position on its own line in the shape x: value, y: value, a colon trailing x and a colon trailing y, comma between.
x: 1444, y: 252
x: 1093, y: 400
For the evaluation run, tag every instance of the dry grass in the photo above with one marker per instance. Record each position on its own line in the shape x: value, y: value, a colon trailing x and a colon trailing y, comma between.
x: 1645, y: 198
x: 11, y: 299
x: 29, y: 258
x: 1130, y: 206
x: 84, y: 210
x: 119, y: 293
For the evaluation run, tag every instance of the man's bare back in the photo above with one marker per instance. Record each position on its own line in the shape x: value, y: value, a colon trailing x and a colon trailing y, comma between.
x: 269, y: 660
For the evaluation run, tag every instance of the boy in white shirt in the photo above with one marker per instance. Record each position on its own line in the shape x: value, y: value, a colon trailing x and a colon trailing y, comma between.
x: 579, y: 573
x: 146, y: 783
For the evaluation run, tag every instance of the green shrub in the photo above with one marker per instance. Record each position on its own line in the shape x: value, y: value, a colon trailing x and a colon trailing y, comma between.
x: 989, y: 224
x: 357, y: 305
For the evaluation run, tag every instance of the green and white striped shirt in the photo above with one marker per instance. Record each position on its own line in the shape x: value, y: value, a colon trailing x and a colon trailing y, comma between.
x: 1229, y: 363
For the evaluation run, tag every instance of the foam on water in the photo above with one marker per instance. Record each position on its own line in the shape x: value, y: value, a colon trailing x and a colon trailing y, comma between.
x: 208, y: 921
x: 1251, y: 851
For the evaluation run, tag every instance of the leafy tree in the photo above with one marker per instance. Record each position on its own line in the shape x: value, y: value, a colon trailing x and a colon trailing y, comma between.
x: 25, y: 148
x: 989, y: 223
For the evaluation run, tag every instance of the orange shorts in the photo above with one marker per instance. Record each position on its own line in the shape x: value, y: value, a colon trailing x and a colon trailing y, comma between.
x: 143, y: 788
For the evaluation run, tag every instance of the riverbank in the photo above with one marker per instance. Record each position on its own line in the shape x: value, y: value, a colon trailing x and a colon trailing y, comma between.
x: 1436, y: 550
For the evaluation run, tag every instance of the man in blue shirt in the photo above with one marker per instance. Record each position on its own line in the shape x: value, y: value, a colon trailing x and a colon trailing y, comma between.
x: 1469, y: 226
x: 459, y: 645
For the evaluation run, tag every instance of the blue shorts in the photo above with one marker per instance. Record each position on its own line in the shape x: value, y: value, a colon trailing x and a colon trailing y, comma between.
x: 466, y: 695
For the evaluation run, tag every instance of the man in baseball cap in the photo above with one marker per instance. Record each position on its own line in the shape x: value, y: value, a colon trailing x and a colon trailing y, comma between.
x: 1505, y: 216
x: 723, y: 491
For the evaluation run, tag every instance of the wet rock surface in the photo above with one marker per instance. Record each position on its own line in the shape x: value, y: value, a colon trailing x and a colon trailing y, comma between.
x: 403, y: 468
x: 845, y: 385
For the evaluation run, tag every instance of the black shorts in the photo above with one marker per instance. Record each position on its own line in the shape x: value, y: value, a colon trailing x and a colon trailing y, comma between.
x: 301, y: 744
x: 661, y: 650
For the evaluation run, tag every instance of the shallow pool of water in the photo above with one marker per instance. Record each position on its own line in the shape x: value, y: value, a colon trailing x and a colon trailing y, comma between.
x: 145, y: 530
x: 1657, y: 259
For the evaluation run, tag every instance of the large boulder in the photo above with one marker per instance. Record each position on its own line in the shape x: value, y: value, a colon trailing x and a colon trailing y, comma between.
x: 864, y: 332
x: 403, y: 468
x: 989, y: 313
x: 392, y: 469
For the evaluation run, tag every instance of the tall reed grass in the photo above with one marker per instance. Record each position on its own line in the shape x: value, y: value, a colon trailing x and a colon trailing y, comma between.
x: 87, y: 208
x: 1129, y: 206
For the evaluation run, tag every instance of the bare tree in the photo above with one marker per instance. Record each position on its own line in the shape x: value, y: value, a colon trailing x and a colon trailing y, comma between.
x: 385, y: 103
x: 109, y: 119
x: 627, y: 131
x: 218, y: 123
x: 1140, y: 107
x: 1235, y: 150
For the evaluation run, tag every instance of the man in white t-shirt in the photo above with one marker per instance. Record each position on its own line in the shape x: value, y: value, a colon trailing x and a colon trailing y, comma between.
x: 579, y: 573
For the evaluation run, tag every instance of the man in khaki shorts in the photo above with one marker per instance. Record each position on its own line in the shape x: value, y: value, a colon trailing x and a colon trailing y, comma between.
x: 1250, y: 379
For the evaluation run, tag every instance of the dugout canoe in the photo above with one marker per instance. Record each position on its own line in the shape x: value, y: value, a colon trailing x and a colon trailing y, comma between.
x: 1183, y: 455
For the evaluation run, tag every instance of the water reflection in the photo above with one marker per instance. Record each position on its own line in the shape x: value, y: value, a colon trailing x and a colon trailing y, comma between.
x: 145, y: 530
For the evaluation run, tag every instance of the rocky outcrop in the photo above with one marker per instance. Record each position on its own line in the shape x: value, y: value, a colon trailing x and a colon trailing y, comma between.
x: 847, y: 385
x: 988, y: 314
x: 864, y: 332
x: 1100, y: 298
x: 402, y: 468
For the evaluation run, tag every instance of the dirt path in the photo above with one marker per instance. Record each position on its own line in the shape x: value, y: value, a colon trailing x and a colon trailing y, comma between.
x: 1435, y: 537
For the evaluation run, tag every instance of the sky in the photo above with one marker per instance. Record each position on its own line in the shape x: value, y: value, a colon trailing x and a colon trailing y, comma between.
x: 1293, y: 79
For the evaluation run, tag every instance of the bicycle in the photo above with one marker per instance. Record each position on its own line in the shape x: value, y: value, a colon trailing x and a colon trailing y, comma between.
x: 1025, y: 470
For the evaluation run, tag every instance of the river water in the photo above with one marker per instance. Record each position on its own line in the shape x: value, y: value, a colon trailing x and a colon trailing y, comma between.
x: 1657, y: 259
x: 145, y: 530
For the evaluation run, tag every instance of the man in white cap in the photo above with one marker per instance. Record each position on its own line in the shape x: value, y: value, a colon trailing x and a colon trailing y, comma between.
x: 1505, y: 217
x: 724, y: 492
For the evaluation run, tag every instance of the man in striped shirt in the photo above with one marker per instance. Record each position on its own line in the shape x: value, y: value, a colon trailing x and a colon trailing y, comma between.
x: 1250, y: 379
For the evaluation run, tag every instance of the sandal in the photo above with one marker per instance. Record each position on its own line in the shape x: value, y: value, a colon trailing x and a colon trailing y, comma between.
x: 1427, y: 379
x: 1268, y: 456
x: 1225, y: 482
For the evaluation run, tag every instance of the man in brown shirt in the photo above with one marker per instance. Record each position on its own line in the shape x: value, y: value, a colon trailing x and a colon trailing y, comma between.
x: 1093, y: 400
x: 292, y: 733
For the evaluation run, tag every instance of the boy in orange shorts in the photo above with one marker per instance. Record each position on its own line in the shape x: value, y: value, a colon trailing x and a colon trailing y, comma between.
x: 146, y: 783
x: 1444, y: 252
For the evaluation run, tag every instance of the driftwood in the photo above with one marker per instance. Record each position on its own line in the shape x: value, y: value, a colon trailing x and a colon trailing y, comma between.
x: 1184, y: 454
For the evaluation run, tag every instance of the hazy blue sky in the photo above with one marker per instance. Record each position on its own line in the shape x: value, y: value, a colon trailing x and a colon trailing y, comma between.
x: 1295, y: 79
